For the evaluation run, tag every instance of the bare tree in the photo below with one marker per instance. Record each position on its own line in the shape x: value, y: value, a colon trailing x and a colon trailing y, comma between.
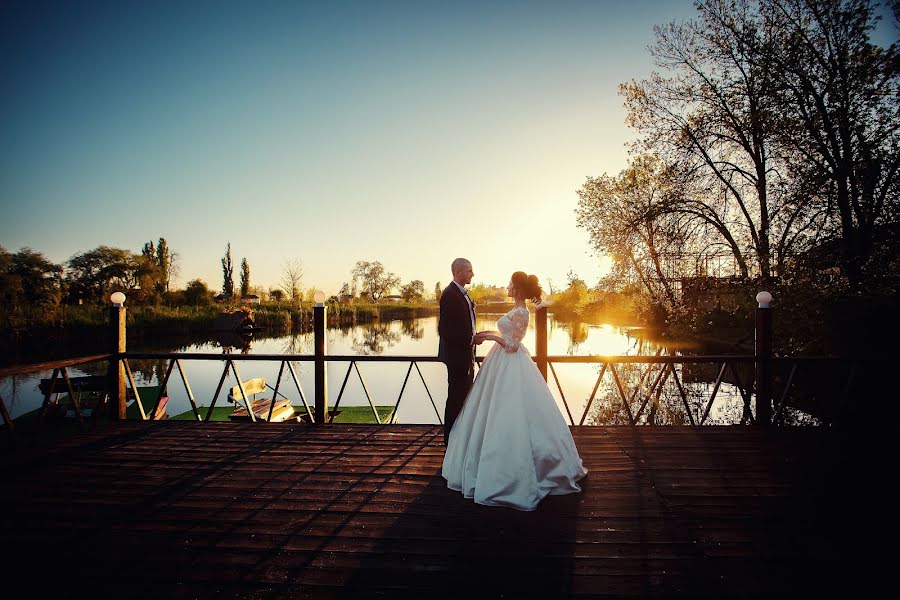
x: 714, y: 113
x: 840, y: 92
x: 291, y: 278
x: 622, y: 217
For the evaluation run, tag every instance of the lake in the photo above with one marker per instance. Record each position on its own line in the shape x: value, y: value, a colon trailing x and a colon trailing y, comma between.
x: 415, y: 337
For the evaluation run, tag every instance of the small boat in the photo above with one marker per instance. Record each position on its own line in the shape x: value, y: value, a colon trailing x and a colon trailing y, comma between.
x: 282, y: 411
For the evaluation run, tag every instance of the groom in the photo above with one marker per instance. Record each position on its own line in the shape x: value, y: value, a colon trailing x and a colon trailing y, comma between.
x: 456, y: 329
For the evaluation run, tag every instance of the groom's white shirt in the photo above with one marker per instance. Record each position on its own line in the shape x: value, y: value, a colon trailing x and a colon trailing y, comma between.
x: 471, y: 310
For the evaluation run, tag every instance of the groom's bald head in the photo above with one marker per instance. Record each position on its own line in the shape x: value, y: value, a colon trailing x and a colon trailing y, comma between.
x: 462, y: 271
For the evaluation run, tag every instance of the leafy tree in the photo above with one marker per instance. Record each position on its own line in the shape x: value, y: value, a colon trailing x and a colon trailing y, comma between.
x: 93, y: 274
x: 437, y: 291
x: 413, y: 291
x: 375, y: 281
x: 28, y: 278
x: 166, y: 259
x: 197, y: 293
x: 628, y: 218
x: 276, y: 294
x: 227, y: 273
x: 574, y: 298
x: 245, y: 278
x: 262, y: 292
x: 482, y: 292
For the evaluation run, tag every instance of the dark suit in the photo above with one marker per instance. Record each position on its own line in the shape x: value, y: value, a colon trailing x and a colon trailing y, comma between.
x: 455, y: 350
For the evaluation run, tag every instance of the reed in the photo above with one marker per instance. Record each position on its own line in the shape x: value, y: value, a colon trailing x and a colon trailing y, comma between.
x: 277, y: 318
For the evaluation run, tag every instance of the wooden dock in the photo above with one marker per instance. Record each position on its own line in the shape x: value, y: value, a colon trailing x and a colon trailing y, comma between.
x: 180, y: 509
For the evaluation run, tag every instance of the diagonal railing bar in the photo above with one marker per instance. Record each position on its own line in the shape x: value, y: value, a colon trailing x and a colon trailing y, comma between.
x: 649, y: 394
x: 427, y: 391
x: 681, y: 392
x: 309, y: 413
x: 746, y: 395
x: 215, y: 397
x: 368, y: 397
x: 340, y: 395
x: 779, y: 410
x: 612, y: 367
x: 715, y: 391
x: 240, y: 386
x: 162, y: 386
x: 561, y: 394
x: 6, y: 418
x: 50, y: 391
x: 593, y: 394
x: 402, y: 388
x: 651, y: 416
x: 275, y: 391
x: 137, y: 395
x: 75, y: 403
x: 637, y: 388
x: 187, y: 388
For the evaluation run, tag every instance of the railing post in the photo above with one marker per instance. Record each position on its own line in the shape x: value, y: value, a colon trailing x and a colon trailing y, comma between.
x: 116, y: 371
x: 321, y: 370
x: 763, y: 359
x: 540, y: 333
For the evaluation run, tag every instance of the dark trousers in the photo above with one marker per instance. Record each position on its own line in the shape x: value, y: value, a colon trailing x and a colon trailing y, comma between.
x: 459, y: 382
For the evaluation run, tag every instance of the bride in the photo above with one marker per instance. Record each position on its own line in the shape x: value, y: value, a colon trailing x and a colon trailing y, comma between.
x: 510, y: 445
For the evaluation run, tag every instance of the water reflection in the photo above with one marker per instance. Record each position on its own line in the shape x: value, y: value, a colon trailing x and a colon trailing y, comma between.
x: 376, y: 338
x: 650, y: 395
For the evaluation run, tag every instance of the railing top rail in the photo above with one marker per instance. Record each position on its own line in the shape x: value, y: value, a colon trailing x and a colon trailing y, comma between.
x: 643, y: 359
x: 216, y: 356
x: 56, y: 364
x: 425, y: 358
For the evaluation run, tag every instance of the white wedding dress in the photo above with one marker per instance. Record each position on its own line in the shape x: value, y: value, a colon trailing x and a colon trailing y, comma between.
x: 510, y: 445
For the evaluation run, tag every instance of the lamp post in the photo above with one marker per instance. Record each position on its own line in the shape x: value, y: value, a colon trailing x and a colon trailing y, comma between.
x: 321, y: 370
x: 763, y: 359
x: 116, y: 372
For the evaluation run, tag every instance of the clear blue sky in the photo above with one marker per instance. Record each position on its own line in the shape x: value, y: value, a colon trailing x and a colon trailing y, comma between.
x: 409, y: 132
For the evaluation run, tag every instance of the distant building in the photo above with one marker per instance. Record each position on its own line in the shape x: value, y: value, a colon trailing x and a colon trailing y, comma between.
x: 250, y: 299
x: 224, y: 297
x: 392, y: 298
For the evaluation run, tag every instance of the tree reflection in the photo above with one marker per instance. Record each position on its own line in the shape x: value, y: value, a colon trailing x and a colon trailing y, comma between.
x: 654, y: 397
x: 412, y: 328
x: 374, y: 339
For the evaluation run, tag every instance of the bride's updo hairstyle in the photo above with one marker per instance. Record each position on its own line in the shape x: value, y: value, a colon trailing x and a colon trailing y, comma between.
x: 528, y: 285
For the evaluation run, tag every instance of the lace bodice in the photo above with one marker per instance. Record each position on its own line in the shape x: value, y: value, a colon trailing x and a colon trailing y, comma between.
x: 512, y: 327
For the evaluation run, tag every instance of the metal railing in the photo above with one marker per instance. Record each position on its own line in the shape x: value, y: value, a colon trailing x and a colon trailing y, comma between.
x: 641, y: 395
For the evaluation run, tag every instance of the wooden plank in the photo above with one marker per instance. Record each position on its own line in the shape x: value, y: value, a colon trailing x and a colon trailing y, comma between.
x: 235, y: 509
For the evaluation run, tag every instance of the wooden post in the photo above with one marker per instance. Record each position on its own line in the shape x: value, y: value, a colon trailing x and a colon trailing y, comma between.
x: 540, y: 333
x: 321, y: 370
x: 116, y: 372
x: 763, y: 359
